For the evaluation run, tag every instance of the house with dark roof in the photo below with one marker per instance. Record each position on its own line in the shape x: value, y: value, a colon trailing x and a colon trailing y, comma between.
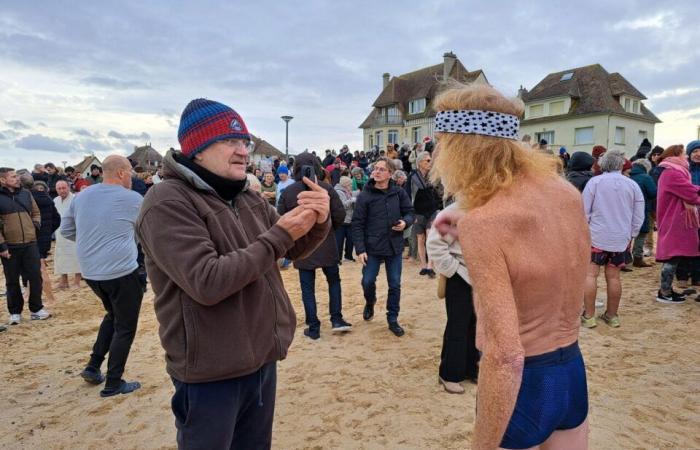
x: 262, y: 148
x: 402, y: 113
x: 85, y: 166
x: 147, y: 158
x: 587, y: 106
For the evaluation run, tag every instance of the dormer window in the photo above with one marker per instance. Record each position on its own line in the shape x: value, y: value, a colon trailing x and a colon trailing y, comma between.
x: 416, y: 106
x: 567, y: 76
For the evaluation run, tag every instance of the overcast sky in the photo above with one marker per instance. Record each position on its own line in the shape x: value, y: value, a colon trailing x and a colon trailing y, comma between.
x: 104, y: 76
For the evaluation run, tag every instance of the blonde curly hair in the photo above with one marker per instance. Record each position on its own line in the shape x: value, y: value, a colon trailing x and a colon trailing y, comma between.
x: 474, y: 167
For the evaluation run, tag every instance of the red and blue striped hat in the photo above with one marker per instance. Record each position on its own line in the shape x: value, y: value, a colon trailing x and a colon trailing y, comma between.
x: 204, y: 122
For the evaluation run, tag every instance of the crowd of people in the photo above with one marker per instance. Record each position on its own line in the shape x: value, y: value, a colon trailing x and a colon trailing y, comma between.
x: 210, y: 211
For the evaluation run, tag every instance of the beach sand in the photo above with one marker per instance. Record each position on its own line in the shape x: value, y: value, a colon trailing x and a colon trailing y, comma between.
x: 367, y: 389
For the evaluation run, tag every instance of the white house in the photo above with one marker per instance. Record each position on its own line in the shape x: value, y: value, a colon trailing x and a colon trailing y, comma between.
x: 587, y: 106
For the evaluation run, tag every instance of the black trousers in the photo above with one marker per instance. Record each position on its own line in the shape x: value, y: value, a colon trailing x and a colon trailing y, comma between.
x: 121, y: 298
x: 459, y: 358
x: 23, y: 261
x: 230, y: 414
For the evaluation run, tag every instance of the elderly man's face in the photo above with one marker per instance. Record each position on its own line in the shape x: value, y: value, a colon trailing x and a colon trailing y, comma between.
x: 62, y: 189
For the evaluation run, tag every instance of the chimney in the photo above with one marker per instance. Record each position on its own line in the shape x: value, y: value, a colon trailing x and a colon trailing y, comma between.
x: 449, y: 59
x: 522, y: 91
x: 385, y: 79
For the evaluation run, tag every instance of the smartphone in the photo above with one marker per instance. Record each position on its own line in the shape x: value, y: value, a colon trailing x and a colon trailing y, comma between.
x: 308, y: 172
x: 397, y: 223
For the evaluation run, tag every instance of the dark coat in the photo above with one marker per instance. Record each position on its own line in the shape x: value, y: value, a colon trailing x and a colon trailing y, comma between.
x: 326, y: 255
x: 138, y: 185
x: 648, y: 187
x: 375, y: 213
x: 51, y: 181
x: 327, y: 161
x: 580, y: 172
x: 50, y: 221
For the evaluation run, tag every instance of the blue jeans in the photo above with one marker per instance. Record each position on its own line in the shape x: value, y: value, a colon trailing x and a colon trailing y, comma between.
x: 344, y: 235
x: 392, y: 266
x: 307, y: 278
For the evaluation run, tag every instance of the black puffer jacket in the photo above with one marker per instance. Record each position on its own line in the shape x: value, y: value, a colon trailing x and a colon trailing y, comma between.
x: 50, y: 221
x: 376, y: 211
x: 580, y: 172
x: 326, y: 255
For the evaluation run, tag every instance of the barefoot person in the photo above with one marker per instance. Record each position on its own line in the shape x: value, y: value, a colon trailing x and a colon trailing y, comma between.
x: 515, y: 235
x: 65, y: 261
x: 211, y: 248
x: 101, y: 221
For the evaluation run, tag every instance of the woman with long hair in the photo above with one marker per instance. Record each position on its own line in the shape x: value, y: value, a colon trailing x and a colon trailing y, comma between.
x: 527, y: 272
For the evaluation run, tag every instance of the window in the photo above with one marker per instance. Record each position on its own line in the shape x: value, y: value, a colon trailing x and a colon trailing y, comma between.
x: 620, y: 135
x: 641, y: 136
x: 635, y: 107
x: 627, y: 105
x: 556, y: 108
x: 393, y: 136
x: 536, y: 110
x: 546, y: 135
x: 378, y: 139
x: 371, y: 141
x: 583, y: 136
x: 416, y: 106
x: 567, y: 76
x: 392, y: 111
x: 416, y: 135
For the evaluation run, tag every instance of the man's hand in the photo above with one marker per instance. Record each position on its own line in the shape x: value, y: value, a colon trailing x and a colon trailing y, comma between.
x: 297, y: 222
x: 316, y: 200
x: 5, y: 254
x: 446, y: 222
x: 363, y: 258
x: 399, y: 226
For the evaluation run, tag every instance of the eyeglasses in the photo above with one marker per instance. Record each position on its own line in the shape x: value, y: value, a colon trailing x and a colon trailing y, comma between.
x: 380, y: 169
x: 239, y: 143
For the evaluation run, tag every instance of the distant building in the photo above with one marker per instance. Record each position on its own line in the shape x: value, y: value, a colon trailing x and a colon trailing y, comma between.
x: 85, y: 165
x: 147, y: 158
x: 262, y: 148
x: 403, y: 112
x: 587, y: 106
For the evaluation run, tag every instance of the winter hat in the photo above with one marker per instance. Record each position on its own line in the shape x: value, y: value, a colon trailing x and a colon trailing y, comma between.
x: 426, y: 139
x: 693, y: 145
x: 283, y: 170
x: 627, y: 165
x: 598, y: 151
x: 204, y: 122
x: 581, y: 161
x: 562, y: 150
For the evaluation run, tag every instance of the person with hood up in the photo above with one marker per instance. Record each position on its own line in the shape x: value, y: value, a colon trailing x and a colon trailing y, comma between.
x: 643, y: 151
x: 325, y: 257
x: 565, y: 157
x: 677, y: 218
x: 640, y: 176
x: 579, y: 170
x: 382, y: 212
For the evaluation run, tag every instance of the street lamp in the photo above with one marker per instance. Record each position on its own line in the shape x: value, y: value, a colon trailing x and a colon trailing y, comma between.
x: 286, y: 134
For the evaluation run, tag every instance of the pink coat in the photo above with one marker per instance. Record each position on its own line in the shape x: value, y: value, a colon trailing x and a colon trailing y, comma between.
x: 677, y: 237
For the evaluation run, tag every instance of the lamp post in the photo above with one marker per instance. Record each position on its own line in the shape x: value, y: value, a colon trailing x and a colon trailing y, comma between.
x: 286, y: 134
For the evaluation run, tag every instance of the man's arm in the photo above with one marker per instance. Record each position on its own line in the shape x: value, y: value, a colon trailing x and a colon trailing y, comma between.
x: 406, y: 208
x: 337, y: 209
x: 588, y: 197
x: 357, y: 227
x: 638, y: 212
x: 503, y: 356
x: 67, y: 229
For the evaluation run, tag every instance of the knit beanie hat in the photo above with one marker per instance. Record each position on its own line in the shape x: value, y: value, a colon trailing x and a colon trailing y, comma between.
x: 283, y: 170
x: 692, y: 145
x: 204, y: 122
x: 598, y: 151
x: 627, y: 165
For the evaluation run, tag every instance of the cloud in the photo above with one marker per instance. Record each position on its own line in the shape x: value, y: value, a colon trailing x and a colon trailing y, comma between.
x: 17, y: 124
x: 117, y: 135
x: 84, y: 132
x: 41, y: 142
x: 113, y: 83
x: 658, y: 21
x: 3, y: 137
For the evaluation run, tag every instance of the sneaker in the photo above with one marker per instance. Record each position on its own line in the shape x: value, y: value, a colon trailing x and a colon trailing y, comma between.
x: 423, y: 272
x: 123, y: 388
x: 341, y: 326
x: 588, y: 322
x: 312, y: 334
x: 42, y: 314
x: 431, y: 274
x: 647, y: 252
x: 613, y: 321
x: 395, y: 328
x: 674, y: 298
x: 3, y: 328
x: 15, y: 319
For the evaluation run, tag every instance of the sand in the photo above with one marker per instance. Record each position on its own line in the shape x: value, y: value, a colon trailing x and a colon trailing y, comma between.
x: 367, y: 389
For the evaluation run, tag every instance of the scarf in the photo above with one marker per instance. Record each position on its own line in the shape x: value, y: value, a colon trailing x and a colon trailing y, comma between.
x: 679, y: 164
x: 227, y: 189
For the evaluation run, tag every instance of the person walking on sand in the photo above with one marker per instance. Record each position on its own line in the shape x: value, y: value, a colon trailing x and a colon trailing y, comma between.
x: 65, y: 261
x: 101, y: 221
x: 211, y: 248
x: 19, y: 251
x: 515, y: 234
x: 382, y: 212
x: 614, y: 207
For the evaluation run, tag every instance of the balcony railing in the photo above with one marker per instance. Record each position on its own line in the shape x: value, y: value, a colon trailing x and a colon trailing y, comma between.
x: 388, y: 120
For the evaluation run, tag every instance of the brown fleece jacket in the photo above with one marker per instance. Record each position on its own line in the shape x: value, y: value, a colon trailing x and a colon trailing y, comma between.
x: 527, y: 251
x: 19, y: 218
x: 219, y: 297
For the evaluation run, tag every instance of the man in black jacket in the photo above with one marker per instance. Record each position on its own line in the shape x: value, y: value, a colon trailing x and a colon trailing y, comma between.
x: 325, y: 257
x: 579, y: 169
x: 382, y: 211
